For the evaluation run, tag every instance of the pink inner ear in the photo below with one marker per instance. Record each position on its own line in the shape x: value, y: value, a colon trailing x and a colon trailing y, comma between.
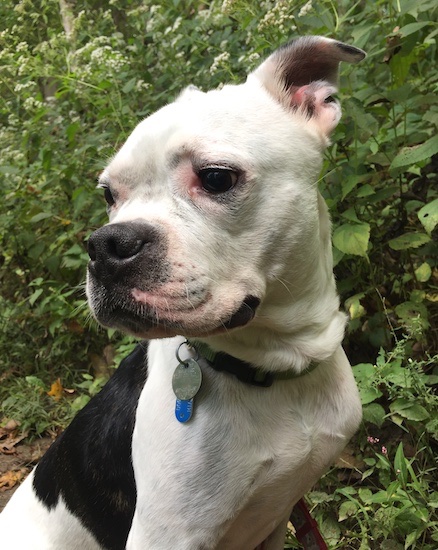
x: 311, y: 100
x: 300, y: 95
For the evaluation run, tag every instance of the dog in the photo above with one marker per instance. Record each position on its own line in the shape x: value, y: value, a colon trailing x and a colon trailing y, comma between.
x: 218, y: 252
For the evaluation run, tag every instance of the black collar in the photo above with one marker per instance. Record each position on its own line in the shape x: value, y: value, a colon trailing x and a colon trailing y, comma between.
x: 243, y: 371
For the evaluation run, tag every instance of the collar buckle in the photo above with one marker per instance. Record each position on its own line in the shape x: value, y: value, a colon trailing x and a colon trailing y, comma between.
x: 259, y: 378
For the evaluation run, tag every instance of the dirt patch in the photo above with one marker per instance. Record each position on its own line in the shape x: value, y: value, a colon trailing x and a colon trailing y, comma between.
x: 16, y: 464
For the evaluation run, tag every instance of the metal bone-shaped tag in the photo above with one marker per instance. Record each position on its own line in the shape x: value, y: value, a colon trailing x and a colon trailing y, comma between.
x: 186, y: 382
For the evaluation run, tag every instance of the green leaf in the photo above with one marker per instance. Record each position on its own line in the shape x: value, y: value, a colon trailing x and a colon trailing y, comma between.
x: 337, y: 256
x: 40, y: 216
x: 365, y: 495
x: 363, y: 372
x: 351, y: 181
x: 72, y: 130
x: 352, y: 238
x: 400, y: 465
x: 129, y: 85
x: 347, y: 509
x: 354, y: 307
x: 365, y: 191
x: 409, y: 240
x: 411, y: 538
x: 378, y: 498
x: 368, y: 395
x: 408, y: 521
x: 412, y: 155
x: 411, y: 310
x: 416, y: 413
x: 374, y: 413
x: 319, y: 497
x: 400, y: 66
x: 35, y: 295
x: 351, y: 215
x: 35, y: 381
x: 398, y: 375
x: 75, y: 250
x: 413, y: 27
x: 423, y: 273
x: 409, y: 410
x: 428, y: 216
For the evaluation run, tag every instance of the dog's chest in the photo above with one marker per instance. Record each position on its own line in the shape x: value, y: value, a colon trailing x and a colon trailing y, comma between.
x: 248, y: 453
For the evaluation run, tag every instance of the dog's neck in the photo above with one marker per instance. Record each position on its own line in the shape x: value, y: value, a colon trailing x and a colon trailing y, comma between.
x: 292, y: 329
x: 289, y: 336
x: 280, y: 350
x: 243, y: 371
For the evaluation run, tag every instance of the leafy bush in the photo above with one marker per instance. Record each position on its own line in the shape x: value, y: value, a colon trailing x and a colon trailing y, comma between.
x: 78, y: 76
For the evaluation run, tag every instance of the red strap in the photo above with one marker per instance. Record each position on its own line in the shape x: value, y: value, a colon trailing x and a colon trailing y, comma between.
x: 306, y: 528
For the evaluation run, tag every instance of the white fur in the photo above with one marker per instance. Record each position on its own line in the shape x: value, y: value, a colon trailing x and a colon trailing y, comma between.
x: 27, y: 525
x: 228, y: 479
x: 277, y: 247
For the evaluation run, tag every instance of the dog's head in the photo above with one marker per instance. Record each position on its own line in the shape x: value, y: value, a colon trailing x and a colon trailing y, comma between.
x: 214, y: 212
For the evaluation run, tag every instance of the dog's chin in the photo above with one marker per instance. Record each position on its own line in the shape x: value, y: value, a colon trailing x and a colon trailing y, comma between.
x: 149, y: 325
x: 244, y: 314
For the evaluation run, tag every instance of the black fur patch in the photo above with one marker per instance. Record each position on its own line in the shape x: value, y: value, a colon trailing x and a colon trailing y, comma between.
x: 90, y: 464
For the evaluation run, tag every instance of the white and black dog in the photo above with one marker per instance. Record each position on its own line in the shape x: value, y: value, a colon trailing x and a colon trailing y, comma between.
x: 218, y: 235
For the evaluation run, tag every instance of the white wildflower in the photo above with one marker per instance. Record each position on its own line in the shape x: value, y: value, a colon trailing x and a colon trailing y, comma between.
x: 278, y: 16
x: 305, y: 9
x: 142, y: 85
x: 13, y: 120
x: 219, y: 61
x: 22, y: 47
x: 253, y: 57
x: 227, y: 6
x: 20, y: 86
x: 30, y: 104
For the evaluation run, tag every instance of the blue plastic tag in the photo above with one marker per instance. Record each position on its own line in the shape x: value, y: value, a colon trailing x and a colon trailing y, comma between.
x: 183, y: 410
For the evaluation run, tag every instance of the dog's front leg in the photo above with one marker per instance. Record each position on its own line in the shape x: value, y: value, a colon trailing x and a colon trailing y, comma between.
x: 275, y: 541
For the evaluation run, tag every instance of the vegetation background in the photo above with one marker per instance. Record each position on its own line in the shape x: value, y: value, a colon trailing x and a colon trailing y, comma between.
x: 77, y: 76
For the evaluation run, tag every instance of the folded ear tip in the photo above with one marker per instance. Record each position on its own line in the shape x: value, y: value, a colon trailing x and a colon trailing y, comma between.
x: 353, y: 54
x: 347, y: 52
x: 305, y: 60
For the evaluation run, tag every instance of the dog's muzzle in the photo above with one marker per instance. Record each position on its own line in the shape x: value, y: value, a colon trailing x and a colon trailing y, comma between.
x: 127, y: 272
x: 128, y: 254
x: 124, y: 256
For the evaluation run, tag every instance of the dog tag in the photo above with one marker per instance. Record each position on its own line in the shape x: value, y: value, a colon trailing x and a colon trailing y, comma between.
x: 183, y: 410
x: 187, y: 380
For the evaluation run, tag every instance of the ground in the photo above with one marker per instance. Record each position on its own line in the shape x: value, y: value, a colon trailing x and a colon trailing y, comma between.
x: 17, y: 459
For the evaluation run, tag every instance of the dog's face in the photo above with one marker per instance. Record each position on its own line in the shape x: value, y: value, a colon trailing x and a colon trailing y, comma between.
x: 213, y: 202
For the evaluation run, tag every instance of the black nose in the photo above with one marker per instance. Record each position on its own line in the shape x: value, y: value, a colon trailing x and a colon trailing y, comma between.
x: 117, y: 248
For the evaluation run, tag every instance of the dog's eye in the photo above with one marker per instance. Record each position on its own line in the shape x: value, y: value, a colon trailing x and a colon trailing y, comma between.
x: 108, y: 195
x: 217, y: 180
x: 330, y: 99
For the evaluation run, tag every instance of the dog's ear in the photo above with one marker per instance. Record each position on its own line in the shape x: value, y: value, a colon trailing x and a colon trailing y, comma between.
x: 303, y: 75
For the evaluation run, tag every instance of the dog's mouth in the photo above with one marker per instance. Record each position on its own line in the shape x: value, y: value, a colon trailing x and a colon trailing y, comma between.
x: 244, y: 314
x: 143, y: 320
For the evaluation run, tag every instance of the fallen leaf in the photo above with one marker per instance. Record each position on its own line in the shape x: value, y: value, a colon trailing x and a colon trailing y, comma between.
x: 56, y: 390
x: 11, y: 478
x: 11, y: 425
x: 10, y: 437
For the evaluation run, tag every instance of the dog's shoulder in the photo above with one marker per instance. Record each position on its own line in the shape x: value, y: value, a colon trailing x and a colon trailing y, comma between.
x: 90, y: 464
